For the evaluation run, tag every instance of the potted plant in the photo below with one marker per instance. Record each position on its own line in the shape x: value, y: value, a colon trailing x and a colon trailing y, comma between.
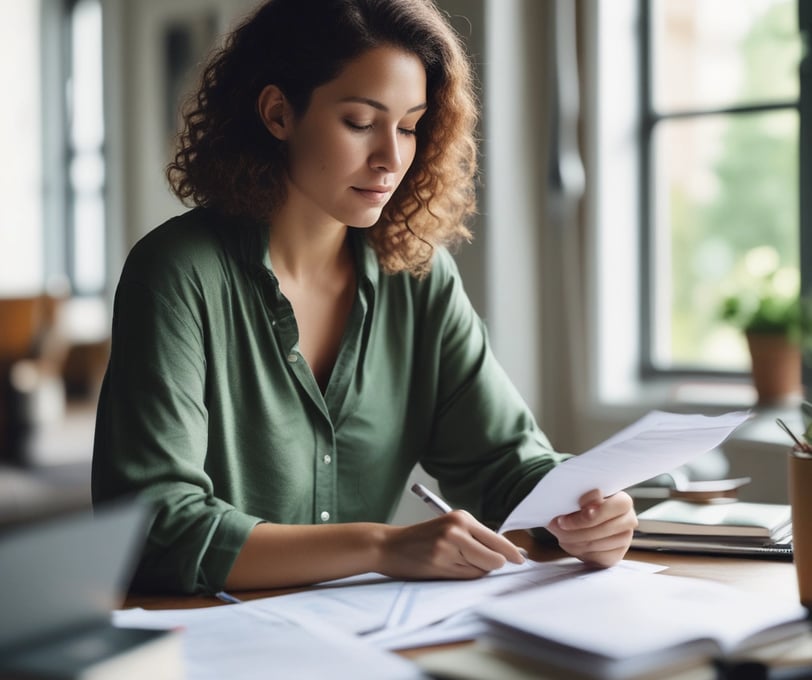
x: 769, y: 313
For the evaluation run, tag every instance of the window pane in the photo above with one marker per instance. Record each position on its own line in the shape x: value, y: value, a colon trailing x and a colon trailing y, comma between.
x: 727, y: 195
x: 86, y: 174
x: 715, y: 53
x: 21, y: 260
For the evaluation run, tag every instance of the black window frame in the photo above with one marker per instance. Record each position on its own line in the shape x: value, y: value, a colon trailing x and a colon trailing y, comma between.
x: 650, y: 118
x: 58, y: 195
x: 805, y: 169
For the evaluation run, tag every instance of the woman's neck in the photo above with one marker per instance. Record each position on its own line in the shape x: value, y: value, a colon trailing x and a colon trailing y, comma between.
x: 302, y: 249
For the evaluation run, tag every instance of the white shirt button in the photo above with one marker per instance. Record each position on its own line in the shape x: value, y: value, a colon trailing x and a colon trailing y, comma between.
x: 327, y: 459
x: 293, y: 358
x: 325, y: 516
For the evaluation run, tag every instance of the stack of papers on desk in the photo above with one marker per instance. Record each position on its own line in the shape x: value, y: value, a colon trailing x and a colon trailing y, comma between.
x: 405, y: 614
x: 623, y: 625
x: 353, y: 623
x: 729, y: 527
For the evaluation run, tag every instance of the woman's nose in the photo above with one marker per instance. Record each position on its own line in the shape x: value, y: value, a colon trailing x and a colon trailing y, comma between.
x: 387, y: 154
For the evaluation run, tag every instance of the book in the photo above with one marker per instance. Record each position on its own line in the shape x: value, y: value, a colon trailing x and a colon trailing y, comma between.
x: 776, y: 549
x: 628, y: 624
x: 99, y: 652
x: 731, y: 528
x: 766, y: 521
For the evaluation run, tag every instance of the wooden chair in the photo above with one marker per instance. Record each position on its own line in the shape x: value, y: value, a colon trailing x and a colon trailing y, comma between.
x: 22, y: 322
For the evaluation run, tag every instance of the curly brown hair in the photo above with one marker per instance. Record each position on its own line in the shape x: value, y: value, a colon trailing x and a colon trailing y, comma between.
x: 227, y: 160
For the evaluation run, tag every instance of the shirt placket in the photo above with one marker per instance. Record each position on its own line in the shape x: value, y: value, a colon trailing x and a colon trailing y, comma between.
x: 325, y: 483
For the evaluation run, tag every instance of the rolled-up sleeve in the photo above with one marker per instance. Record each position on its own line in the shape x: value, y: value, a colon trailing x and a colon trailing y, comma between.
x: 152, y: 438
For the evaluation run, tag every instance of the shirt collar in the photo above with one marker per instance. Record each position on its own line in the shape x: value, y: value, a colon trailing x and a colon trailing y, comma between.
x: 254, y: 245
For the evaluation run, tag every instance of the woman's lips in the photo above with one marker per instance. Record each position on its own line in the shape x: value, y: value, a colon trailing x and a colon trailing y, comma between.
x: 374, y: 194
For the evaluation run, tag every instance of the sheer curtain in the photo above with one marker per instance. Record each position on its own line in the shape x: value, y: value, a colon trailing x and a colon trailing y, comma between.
x: 564, y: 353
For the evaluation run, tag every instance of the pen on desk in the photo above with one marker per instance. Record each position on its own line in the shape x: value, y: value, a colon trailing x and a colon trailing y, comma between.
x: 431, y: 499
x: 227, y: 597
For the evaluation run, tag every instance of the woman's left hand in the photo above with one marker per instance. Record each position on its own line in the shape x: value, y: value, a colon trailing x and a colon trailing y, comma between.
x: 600, y: 532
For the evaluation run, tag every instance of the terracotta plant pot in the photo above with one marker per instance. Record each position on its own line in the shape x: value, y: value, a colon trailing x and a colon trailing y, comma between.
x: 799, y: 475
x: 776, y: 367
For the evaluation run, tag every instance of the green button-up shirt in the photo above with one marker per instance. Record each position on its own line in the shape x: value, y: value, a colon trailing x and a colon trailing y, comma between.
x: 209, y: 411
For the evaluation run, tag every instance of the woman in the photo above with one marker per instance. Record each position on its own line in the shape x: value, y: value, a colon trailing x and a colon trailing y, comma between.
x: 285, y: 353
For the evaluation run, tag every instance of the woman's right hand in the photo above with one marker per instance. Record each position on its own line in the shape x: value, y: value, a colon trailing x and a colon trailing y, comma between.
x: 454, y: 545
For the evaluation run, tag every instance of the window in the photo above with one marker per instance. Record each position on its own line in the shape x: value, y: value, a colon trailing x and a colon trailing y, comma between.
x: 718, y: 172
x: 21, y: 223
x: 85, y: 219
x: 667, y: 163
x: 52, y: 132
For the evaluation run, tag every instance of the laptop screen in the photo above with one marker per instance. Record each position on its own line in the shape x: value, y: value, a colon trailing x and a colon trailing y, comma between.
x: 67, y: 571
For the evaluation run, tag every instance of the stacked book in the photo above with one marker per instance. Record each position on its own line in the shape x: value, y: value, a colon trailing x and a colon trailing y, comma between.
x: 759, y: 529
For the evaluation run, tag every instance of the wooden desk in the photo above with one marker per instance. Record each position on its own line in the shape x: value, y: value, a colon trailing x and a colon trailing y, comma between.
x: 751, y: 574
x: 470, y: 661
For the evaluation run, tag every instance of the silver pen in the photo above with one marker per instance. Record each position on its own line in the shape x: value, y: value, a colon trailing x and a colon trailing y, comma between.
x: 439, y: 505
x: 431, y: 499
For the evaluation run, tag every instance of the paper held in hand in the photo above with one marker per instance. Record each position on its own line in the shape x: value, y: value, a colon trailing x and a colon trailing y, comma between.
x: 657, y: 443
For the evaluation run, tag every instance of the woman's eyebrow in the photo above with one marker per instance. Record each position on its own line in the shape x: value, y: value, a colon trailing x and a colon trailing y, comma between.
x: 378, y: 105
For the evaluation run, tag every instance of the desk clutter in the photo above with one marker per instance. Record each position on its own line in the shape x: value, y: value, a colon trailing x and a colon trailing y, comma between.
x: 547, y: 619
x: 623, y: 622
x: 739, y: 528
x: 64, y: 579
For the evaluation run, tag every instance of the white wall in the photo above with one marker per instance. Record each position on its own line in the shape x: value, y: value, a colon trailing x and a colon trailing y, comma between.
x: 139, y: 148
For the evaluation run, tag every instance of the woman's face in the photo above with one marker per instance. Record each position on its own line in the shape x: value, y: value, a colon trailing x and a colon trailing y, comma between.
x: 356, y: 140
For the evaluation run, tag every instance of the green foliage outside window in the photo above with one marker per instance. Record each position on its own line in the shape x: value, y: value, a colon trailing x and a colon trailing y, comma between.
x: 754, y: 205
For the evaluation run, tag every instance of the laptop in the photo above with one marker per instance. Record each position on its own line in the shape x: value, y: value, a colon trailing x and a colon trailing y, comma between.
x: 67, y: 572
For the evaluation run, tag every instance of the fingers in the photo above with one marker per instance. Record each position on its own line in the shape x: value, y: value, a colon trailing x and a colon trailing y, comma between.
x: 493, y: 542
x: 602, y: 551
x: 454, y: 545
x: 595, y: 511
x: 476, y: 545
x: 600, y: 532
x: 593, y: 497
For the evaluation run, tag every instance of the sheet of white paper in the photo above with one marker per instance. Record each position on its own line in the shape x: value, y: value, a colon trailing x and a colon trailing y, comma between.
x: 385, y: 612
x: 230, y: 642
x: 281, y: 633
x: 657, y: 443
x: 468, y: 625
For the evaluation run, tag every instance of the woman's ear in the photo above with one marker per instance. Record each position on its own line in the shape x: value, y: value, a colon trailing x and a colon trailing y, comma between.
x: 275, y: 112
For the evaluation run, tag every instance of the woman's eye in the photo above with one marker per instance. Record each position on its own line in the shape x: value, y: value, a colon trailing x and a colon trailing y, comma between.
x: 410, y: 132
x: 357, y: 126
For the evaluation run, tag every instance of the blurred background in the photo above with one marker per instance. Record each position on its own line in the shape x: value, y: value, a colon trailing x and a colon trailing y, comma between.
x: 640, y: 211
